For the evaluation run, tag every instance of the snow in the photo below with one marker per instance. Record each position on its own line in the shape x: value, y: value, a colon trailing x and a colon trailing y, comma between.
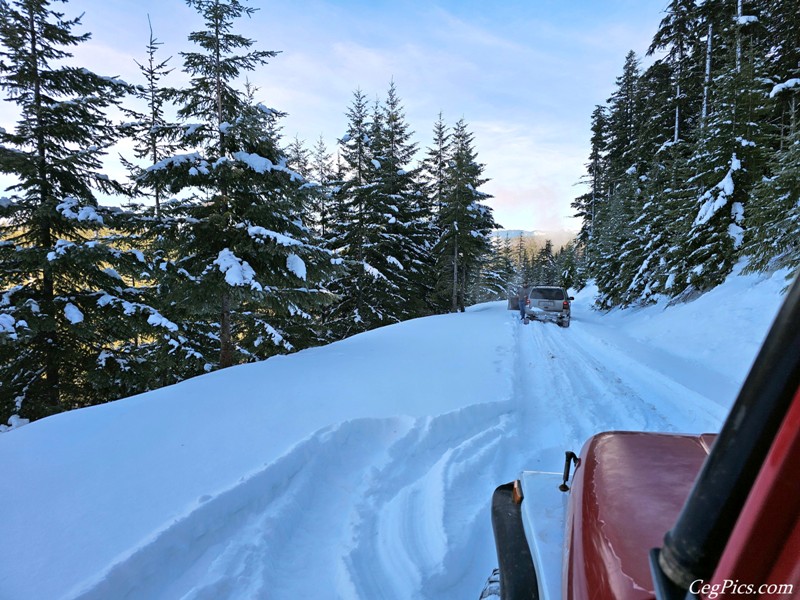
x: 73, y: 313
x: 717, y: 197
x: 257, y: 163
x: 259, y: 233
x: 14, y: 421
x: 7, y: 325
x: 178, y: 159
x: 786, y: 85
x: 362, y: 469
x: 237, y: 272
x: 84, y: 213
x: 296, y: 265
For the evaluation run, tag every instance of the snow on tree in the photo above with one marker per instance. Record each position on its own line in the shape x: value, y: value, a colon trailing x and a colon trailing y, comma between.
x: 380, y: 223
x: 728, y: 160
x: 66, y: 307
x: 245, y: 282
x: 464, y: 222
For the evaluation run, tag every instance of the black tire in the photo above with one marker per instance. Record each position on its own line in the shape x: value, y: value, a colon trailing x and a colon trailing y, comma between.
x: 491, y: 591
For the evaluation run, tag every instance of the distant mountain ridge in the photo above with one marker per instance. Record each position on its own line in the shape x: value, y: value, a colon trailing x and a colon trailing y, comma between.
x: 537, y: 238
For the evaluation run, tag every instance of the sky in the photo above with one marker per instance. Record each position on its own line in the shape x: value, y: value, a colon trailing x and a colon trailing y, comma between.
x: 524, y: 74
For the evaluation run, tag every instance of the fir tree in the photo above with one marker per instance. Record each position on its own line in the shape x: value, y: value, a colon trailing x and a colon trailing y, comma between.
x: 153, y: 136
x: 321, y: 193
x: 66, y: 310
x: 350, y: 230
x: 464, y: 221
x: 586, y: 204
x: 728, y: 160
x: 245, y: 283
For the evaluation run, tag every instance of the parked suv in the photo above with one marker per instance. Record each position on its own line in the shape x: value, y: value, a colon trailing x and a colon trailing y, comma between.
x: 549, y: 303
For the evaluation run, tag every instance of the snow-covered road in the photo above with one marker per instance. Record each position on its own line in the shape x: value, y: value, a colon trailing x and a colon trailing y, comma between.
x: 360, y: 470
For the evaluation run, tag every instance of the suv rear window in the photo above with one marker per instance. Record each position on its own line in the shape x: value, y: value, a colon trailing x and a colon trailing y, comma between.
x: 547, y: 294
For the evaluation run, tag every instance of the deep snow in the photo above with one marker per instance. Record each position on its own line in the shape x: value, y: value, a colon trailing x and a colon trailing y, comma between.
x: 362, y: 469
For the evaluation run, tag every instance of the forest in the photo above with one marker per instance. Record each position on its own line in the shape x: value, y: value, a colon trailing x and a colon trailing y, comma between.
x: 695, y: 160
x: 228, y: 243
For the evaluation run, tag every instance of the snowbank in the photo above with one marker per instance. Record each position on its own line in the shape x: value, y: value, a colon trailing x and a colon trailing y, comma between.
x: 368, y: 463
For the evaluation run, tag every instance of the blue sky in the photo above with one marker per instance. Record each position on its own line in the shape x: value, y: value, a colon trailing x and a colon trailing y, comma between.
x: 525, y: 74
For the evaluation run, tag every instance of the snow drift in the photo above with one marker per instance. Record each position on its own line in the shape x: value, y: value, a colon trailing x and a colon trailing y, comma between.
x: 362, y: 469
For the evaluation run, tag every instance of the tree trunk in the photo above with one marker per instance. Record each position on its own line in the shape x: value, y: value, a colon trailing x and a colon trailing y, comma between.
x: 707, y: 80
x: 49, y: 335
x: 225, y: 338
x: 454, y: 303
x: 739, y: 36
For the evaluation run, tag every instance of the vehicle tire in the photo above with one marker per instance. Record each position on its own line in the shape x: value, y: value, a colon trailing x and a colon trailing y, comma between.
x: 491, y: 591
x: 564, y: 323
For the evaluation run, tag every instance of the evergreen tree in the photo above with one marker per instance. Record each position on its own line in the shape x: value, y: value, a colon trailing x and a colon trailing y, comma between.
x: 406, y: 238
x: 613, y: 217
x: 728, y: 159
x: 350, y: 230
x: 641, y: 267
x: 383, y: 236
x: 697, y: 155
x: 154, y: 137
x: 66, y: 311
x: 773, y: 240
x: 321, y: 193
x: 596, y: 176
x: 464, y: 222
x: 496, y: 274
x: 678, y: 35
x: 435, y: 165
x: 245, y: 283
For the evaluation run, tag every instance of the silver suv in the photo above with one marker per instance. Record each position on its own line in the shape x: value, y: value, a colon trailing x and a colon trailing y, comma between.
x: 549, y: 303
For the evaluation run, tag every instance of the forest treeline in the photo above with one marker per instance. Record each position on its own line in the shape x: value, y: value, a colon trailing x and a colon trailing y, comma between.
x: 228, y: 244
x: 695, y: 160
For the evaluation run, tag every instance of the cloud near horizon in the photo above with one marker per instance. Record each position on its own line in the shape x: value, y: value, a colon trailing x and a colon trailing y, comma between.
x: 524, y: 75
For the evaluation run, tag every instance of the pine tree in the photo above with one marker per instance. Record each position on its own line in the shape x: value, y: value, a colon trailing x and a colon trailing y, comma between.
x: 613, y: 217
x: 496, y: 273
x: 773, y: 240
x: 728, y: 160
x: 405, y: 240
x: 245, y: 282
x: 321, y: 180
x: 464, y: 221
x: 154, y: 137
x: 678, y: 35
x: 641, y: 268
x: 383, y: 225
x: 350, y: 230
x: 596, y: 176
x: 435, y: 164
x: 66, y: 310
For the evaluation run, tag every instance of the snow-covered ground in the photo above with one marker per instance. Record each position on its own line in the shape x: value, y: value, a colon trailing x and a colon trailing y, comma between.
x: 363, y: 469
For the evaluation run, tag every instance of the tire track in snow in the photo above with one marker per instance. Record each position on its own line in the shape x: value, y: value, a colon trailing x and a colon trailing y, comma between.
x: 399, y: 507
x: 242, y: 543
x: 413, y: 533
x: 573, y: 386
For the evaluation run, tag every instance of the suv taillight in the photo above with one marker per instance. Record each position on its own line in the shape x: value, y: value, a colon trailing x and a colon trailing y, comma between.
x: 566, y: 304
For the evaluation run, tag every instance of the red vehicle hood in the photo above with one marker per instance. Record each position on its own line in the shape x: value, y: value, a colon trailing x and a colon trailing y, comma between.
x: 626, y: 493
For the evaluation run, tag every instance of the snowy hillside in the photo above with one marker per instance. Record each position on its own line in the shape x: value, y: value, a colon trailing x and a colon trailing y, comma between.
x: 362, y: 469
